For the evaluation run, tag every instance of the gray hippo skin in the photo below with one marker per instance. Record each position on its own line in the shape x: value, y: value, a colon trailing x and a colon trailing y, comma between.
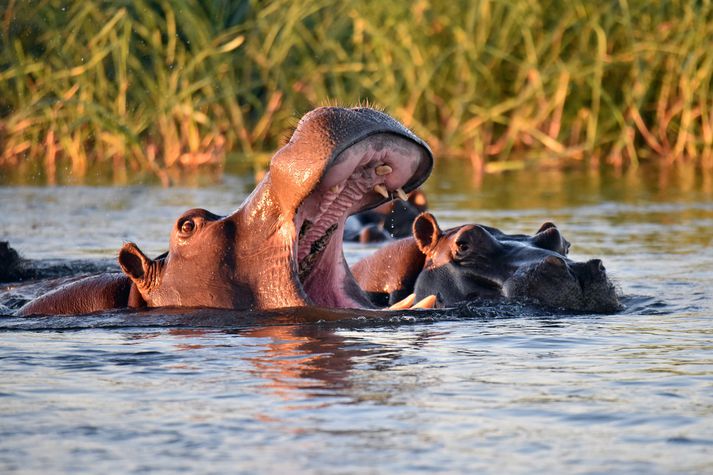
x: 476, y: 261
x: 283, y: 246
x: 390, y: 273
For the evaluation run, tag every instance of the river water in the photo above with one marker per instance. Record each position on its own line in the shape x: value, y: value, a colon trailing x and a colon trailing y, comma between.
x: 476, y: 392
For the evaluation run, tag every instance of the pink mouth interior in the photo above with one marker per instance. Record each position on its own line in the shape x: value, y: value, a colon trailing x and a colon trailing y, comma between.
x: 346, y: 188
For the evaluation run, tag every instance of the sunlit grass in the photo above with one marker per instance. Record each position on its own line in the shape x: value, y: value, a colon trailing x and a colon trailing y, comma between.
x: 151, y: 85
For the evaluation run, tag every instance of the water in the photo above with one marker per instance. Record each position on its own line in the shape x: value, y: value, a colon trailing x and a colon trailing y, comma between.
x: 537, y: 393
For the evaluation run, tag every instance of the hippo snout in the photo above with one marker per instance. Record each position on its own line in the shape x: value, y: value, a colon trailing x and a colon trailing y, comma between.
x: 589, y: 272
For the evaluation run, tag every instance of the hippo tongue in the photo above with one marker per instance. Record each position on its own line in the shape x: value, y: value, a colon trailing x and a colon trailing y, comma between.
x: 360, y: 177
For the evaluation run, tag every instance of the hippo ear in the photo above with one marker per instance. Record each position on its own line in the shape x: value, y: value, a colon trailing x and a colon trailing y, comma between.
x: 134, y: 263
x: 426, y: 232
x: 545, y: 226
x: 551, y: 239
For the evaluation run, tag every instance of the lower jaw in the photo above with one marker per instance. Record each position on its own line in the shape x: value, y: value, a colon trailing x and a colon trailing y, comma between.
x: 330, y: 283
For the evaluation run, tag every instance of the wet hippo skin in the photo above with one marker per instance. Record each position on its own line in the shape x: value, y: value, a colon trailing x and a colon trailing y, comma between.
x: 476, y: 261
x: 283, y: 246
x: 390, y: 273
x: 472, y: 261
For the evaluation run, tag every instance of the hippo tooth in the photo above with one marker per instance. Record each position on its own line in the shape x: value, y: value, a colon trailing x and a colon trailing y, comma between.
x: 382, y: 170
x: 381, y: 189
x: 428, y: 302
x: 404, y: 303
x: 335, y: 189
x: 402, y: 194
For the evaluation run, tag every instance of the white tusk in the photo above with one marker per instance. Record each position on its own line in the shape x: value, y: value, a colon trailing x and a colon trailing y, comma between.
x: 402, y: 194
x: 381, y: 189
x: 404, y: 304
x: 428, y: 302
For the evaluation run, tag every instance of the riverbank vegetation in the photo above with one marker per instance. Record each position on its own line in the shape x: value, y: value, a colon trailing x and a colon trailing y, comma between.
x: 152, y: 85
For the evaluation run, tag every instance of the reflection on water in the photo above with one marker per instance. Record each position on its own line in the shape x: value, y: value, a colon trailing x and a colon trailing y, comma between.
x: 480, y: 393
x: 567, y: 395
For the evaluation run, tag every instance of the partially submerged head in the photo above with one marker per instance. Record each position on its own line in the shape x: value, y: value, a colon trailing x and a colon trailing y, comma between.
x: 478, y: 261
x: 197, y: 271
x: 283, y: 246
x: 562, y: 283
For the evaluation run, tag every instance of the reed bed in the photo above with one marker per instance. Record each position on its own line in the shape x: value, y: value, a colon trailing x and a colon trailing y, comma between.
x: 154, y: 85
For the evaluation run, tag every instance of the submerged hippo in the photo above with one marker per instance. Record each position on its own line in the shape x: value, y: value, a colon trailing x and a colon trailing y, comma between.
x: 12, y: 266
x: 472, y: 261
x: 388, y: 221
x: 283, y: 246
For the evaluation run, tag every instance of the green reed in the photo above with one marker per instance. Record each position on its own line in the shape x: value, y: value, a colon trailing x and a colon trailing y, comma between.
x: 151, y: 85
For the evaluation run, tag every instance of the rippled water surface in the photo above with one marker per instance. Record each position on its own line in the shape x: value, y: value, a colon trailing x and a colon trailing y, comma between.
x: 489, y: 393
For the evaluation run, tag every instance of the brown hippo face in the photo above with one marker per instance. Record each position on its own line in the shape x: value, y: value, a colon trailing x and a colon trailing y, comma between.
x: 283, y: 246
x: 478, y: 261
x: 197, y: 271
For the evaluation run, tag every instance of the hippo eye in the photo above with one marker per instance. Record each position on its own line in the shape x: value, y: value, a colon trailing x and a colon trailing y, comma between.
x: 463, y: 246
x: 187, y: 226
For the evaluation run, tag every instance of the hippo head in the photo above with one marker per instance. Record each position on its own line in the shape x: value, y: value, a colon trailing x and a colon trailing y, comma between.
x: 283, y: 246
x: 197, y: 271
x: 478, y: 261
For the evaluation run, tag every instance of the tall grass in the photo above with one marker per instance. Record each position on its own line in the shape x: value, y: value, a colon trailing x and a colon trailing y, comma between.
x: 154, y: 84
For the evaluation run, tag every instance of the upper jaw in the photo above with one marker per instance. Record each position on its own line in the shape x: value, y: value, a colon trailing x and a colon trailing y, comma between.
x: 398, y: 161
x: 318, y: 146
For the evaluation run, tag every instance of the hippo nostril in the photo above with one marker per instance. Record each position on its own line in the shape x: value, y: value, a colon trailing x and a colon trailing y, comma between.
x: 555, y: 261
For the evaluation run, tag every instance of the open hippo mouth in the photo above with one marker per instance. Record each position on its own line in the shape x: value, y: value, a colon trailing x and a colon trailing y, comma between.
x: 363, y: 175
x: 338, y: 161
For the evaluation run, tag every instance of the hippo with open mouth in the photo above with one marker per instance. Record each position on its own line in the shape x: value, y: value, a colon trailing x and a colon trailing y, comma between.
x: 283, y: 246
x: 474, y: 261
